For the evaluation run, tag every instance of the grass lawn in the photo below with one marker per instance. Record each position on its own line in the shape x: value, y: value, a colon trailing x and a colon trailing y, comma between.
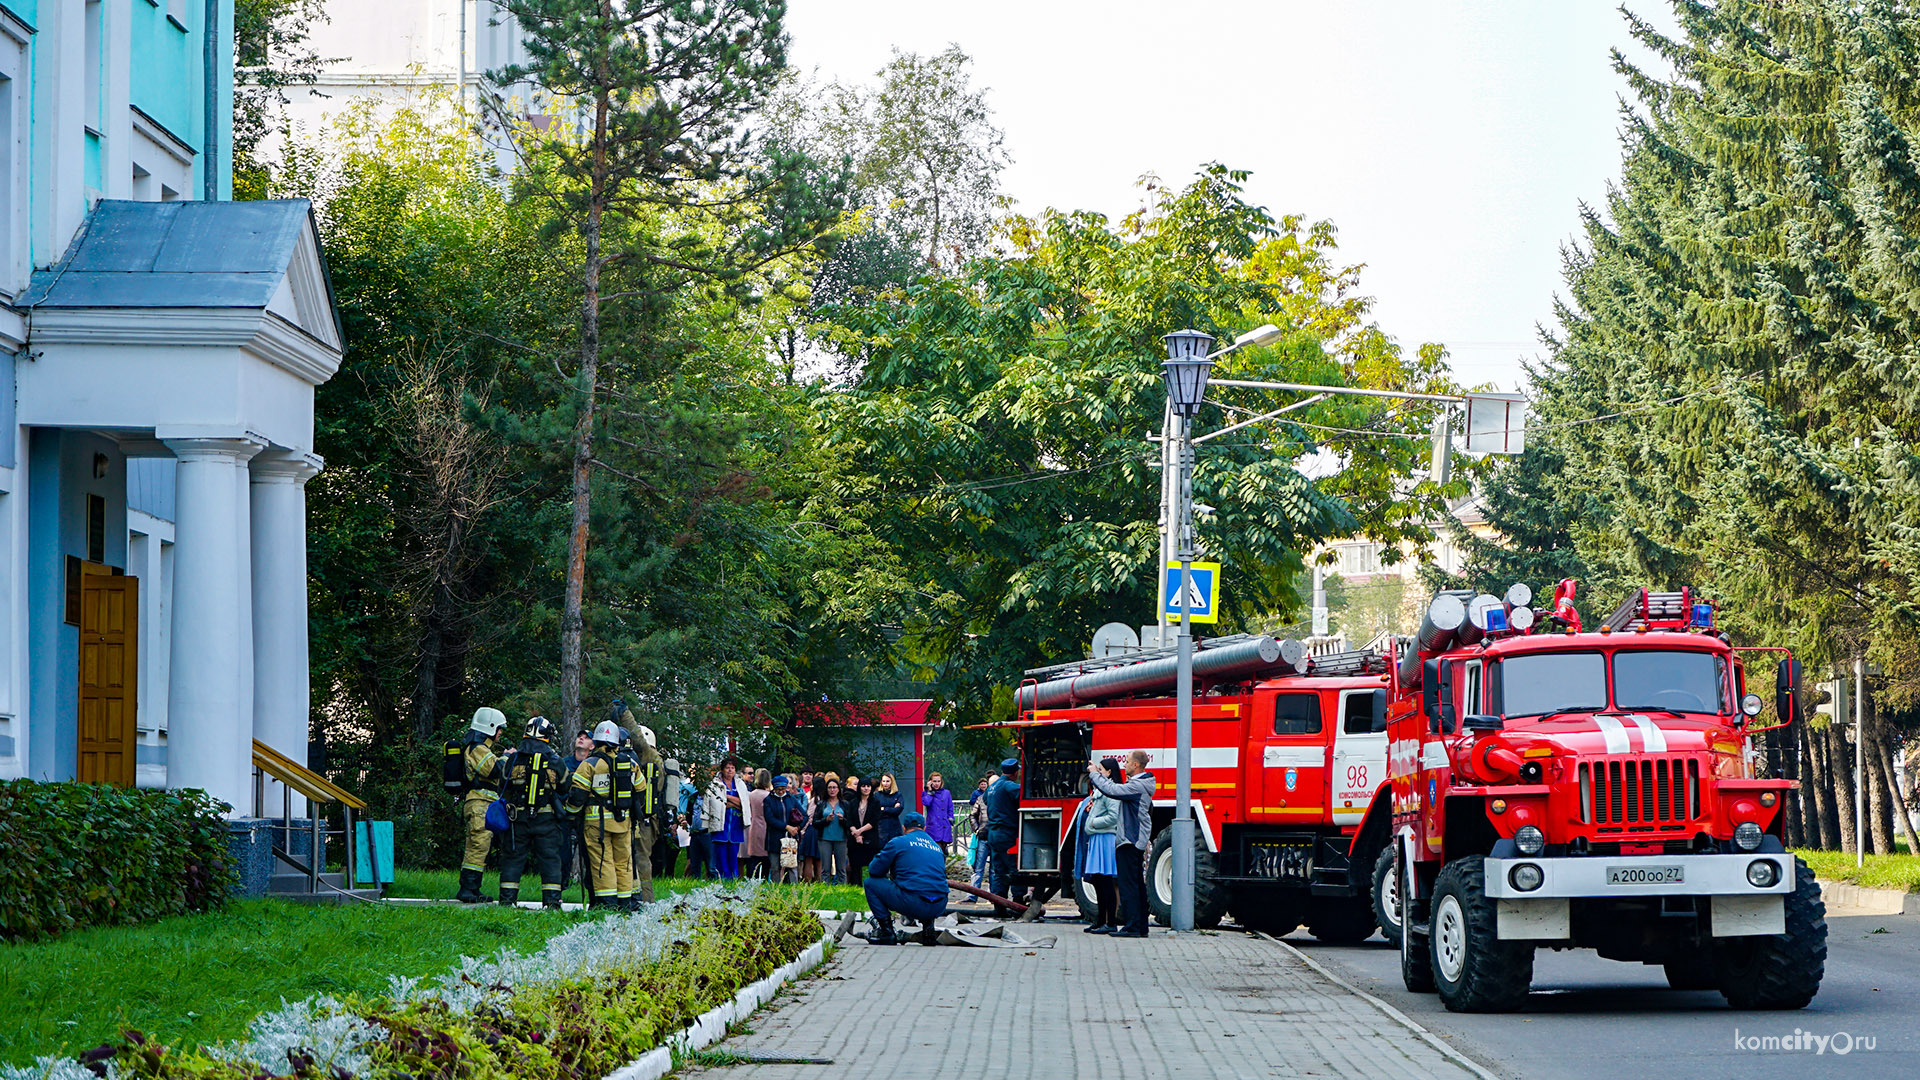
x: 203, y: 978
x: 1901, y: 871
x: 442, y: 884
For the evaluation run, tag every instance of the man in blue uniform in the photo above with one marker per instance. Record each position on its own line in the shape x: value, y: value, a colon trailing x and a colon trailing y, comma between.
x: 1003, y: 825
x: 909, y: 876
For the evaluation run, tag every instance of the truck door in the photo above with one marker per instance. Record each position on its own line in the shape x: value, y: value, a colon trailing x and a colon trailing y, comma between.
x: 1359, y: 757
x: 1294, y: 761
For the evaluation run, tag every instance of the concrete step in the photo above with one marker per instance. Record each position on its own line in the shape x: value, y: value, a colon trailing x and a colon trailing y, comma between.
x: 288, y: 882
x: 328, y: 896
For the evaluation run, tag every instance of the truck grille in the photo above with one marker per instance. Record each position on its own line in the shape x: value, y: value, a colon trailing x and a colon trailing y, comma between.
x: 1646, y: 791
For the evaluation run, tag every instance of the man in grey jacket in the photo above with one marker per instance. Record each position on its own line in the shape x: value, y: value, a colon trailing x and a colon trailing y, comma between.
x: 1135, y: 797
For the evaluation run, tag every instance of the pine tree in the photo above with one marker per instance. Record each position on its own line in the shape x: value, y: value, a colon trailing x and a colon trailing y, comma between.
x: 665, y: 186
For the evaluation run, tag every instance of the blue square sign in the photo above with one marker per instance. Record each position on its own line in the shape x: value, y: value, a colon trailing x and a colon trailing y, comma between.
x: 1202, y: 592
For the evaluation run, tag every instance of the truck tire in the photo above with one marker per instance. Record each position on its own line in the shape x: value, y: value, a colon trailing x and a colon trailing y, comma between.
x: 1385, y: 896
x: 1209, y: 897
x: 1278, y: 912
x: 1473, y: 970
x: 1341, y: 920
x: 1416, y: 955
x: 1778, y: 971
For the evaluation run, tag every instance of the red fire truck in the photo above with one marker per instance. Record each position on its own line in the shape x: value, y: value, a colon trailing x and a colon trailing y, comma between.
x: 1559, y: 788
x: 1289, y: 751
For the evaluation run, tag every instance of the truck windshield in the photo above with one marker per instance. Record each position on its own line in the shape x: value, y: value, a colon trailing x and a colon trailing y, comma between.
x: 1675, y: 681
x: 1542, y: 683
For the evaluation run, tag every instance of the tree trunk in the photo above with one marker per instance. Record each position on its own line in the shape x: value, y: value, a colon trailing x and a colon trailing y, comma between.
x: 1839, y: 769
x: 1902, y: 814
x: 1879, y: 803
x: 572, y: 610
x: 1824, y: 830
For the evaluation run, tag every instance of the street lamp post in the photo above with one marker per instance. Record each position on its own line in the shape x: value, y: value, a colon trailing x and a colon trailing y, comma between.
x: 1186, y: 369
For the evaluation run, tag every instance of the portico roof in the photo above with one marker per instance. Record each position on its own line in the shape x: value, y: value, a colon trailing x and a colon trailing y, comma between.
x: 188, y: 255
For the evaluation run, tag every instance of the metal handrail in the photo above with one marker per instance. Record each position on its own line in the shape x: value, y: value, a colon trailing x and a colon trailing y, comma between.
x: 318, y: 791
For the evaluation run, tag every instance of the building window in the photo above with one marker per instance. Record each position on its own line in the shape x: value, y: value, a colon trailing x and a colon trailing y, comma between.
x: 95, y: 32
x: 1359, y: 559
x: 96, y: 529
x: 142, y: 184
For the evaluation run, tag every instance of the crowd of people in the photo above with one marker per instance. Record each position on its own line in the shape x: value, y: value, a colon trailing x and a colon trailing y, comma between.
x: 616, y: 814
x: 813, y: 826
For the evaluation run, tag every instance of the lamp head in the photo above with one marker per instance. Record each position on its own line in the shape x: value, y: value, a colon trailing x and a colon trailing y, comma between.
x: 1186, y: 369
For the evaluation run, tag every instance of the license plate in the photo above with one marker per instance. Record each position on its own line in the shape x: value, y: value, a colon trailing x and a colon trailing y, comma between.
x: 1646, y: 875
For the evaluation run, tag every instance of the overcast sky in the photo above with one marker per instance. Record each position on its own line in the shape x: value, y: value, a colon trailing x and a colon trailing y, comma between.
x: 1451, y: 142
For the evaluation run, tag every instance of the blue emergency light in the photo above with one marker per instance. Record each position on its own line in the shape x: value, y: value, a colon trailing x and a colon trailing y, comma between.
x: 1496, y: 620
x: 1703, y: 616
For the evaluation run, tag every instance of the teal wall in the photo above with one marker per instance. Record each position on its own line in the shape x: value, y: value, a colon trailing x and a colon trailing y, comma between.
x: 166, y: 67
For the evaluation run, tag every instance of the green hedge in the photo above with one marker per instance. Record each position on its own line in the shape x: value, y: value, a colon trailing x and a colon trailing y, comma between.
x: 91, y: 854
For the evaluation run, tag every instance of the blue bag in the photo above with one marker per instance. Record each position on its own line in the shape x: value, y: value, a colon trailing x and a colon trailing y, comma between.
x: 497, y: 816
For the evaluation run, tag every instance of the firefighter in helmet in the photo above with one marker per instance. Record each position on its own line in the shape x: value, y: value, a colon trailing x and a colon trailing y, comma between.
x: 482, y: 767
x: 606, y: 818
x: 649, y: 796
x: 531, y: 788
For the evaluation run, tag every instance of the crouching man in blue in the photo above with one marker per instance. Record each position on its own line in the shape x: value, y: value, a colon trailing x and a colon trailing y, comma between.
x: 909, y: 877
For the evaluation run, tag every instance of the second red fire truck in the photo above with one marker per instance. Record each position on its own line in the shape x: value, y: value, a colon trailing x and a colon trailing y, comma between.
x: 1289, y: 751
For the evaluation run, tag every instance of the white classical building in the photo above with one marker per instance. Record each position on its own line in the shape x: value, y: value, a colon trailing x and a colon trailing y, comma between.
x: 159, y: 350
x: 388, y: 51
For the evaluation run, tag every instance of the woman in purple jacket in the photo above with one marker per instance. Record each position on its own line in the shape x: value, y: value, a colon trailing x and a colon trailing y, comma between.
x: 937, y: 803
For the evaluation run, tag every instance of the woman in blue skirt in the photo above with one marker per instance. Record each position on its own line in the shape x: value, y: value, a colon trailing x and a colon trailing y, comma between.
x: 1099, y: 831
x: 728, y: 838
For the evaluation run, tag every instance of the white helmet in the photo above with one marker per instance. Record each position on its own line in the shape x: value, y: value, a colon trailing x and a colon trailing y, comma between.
x: 607, y: 732
x: 488, y: 720
x: 646, y: 734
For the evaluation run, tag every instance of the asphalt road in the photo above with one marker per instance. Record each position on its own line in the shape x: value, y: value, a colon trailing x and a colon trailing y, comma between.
x: 1589, y: 1017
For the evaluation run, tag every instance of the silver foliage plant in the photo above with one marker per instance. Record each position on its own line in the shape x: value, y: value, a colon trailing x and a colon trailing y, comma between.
x: 325, y: 1029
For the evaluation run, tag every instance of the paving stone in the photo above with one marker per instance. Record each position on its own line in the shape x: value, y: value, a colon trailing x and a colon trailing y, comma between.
x: 1196, y: 1006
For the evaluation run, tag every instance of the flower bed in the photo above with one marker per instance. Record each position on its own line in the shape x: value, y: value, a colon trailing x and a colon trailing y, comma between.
x: 594, y: 998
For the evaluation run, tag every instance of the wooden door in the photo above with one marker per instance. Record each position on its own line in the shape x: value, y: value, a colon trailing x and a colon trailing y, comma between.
x: 109, y: 667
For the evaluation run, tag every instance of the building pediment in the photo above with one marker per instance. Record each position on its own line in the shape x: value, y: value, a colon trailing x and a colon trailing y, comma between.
x: 148, y: 268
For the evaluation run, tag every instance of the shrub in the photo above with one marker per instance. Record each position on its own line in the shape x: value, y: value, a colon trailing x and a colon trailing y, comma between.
x: 90, y: 854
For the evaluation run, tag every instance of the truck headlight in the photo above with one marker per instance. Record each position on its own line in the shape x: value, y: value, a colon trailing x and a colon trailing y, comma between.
x: 1747, y: 837
x: 1761, y: 873
x: 1527, y: 877
x: 1530, y: 840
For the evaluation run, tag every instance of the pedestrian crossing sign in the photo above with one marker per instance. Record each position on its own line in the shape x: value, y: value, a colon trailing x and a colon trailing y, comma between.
x: 1202, y: 592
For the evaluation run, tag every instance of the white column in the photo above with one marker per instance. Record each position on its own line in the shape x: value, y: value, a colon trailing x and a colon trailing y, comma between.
x: 280, y: 673
x: 210, y: 715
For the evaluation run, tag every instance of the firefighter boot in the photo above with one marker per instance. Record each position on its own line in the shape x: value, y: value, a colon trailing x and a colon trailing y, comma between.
x: 927, y: 935
x: 470, y: 887
x: 882, y: 934
x: 509, y: 895
x: 550, y: 900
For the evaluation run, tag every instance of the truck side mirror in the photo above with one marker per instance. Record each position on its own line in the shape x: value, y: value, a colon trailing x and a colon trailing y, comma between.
x: 1379, y: 712
x: 1786, y: 686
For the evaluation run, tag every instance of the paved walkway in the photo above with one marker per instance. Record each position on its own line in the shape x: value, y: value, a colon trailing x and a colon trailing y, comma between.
x: 1225, y: 1005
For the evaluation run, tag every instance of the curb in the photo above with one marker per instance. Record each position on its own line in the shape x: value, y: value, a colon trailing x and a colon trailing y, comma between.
x: 1870, y: 901
x: 711, y: 1026
x: 1392, y: 1013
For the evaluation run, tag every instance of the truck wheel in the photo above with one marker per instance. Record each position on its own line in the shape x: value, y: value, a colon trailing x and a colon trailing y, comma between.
x: 1778, y: 971
x: 1341, y: 920
x: 1268, y: 911
x: 1416, y: 953
x: 1385, y: 896
x: 1474, y: 970
x: 1209, y: 898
